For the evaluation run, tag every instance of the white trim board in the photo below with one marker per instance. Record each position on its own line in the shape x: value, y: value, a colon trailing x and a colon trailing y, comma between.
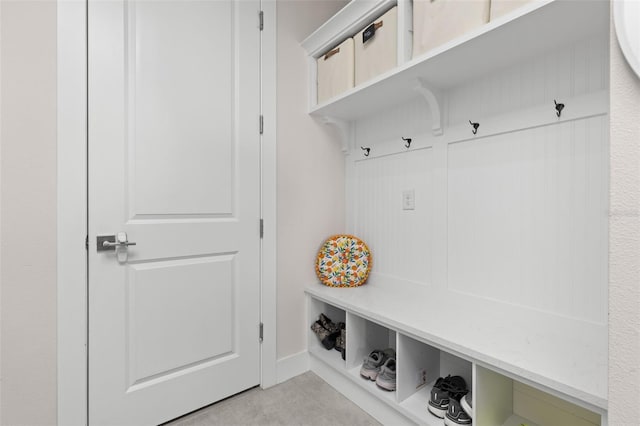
x: 268, y: 204
x: 578, y: 108
x: 72, y: 213
x: 292, y: 366
x: 72, y: 208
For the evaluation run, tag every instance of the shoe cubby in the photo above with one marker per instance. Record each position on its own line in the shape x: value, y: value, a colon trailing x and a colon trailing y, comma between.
x: 364, y: 336
x: 419, y: 366
x: 330, y: 356
x: 500, y: 400
x: 499, y: 397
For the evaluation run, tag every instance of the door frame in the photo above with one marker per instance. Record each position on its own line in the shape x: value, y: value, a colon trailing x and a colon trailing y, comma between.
x: 72, y: 207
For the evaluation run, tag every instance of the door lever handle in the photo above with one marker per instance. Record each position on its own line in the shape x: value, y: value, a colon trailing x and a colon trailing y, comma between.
x: 110, y: 242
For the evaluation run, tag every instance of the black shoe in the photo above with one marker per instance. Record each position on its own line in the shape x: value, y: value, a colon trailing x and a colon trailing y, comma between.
x: 455, y: 414
x: 340, y: 339
x: 444, y: 389
x: 327, y: 339
x: 328, y: 324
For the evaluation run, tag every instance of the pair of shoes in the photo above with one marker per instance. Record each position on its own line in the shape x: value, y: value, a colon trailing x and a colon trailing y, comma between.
x: 445, y: 399
x: 328, y: 332
x: 380, y: 366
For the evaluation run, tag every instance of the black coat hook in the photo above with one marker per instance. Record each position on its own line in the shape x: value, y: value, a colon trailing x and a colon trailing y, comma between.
x: 408, y: 142
x: 366, y: 151
x: 475, y: 127
x: 559, y: 108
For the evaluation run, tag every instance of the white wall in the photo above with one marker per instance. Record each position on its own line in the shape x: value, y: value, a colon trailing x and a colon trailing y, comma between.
x: 624, y: 242
x: 28, y: 219
x: 310, y: 182
x: 516, y: 214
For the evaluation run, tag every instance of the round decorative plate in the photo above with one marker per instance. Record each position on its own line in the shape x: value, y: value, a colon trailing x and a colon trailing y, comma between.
x: 343, y: 261
x: 625, y: 16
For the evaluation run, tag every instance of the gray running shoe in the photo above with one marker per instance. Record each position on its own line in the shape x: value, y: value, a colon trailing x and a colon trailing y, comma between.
x: 387, y: 376
x: 372, y: 364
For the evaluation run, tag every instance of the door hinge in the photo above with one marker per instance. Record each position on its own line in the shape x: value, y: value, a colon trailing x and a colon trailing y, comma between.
x: 261, y: 124
x: 261, y: 228
x: 86, y: 242
x: 261, y: 14
x: 261, y: 332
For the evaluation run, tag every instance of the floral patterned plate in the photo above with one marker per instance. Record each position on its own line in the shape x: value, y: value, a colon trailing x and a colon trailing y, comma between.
x: 343, y: 261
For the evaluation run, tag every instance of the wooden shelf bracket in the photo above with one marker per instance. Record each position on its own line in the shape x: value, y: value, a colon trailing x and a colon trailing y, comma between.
x: 345, y: 129
x: 433, y: 97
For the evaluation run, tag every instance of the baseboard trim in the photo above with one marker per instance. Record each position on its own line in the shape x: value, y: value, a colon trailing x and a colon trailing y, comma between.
x: 292, y: 366
x: 363, y: 399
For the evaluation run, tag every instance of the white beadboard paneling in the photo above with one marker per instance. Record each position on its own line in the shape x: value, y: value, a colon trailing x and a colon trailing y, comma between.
x: 518, y: 212
x: 527, y: 218
x: 406, y: 120
x: 564, y: 73
x: 400, y: 240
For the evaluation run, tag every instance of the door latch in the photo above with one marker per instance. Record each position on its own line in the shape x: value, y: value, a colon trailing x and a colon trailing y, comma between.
x: 110, y: 242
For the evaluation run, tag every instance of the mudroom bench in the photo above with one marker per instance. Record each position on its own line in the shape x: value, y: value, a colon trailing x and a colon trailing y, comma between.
x: 477, y: 171
x: 522, y: 366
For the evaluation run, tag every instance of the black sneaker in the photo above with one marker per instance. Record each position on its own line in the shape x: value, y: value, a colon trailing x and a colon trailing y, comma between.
x: 455, y: 414
x: 442, y: 391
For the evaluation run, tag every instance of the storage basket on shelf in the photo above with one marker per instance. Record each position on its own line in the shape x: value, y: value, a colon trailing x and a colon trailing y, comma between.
x: 343, y: 261
x: 376, y: 47
x: 435, y: 22
x: 335, y: 71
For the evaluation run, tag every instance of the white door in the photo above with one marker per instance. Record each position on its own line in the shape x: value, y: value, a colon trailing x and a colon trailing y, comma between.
x: 174, y: 161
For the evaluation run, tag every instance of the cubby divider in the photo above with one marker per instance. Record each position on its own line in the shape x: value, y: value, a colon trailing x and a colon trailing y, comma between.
x: 419, y: 367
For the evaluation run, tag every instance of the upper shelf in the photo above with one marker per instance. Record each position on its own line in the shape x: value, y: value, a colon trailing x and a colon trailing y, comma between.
x: 536, y: 28
x: 350, y: 19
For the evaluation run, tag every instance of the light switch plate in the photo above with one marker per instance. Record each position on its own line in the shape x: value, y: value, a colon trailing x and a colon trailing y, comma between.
x: 408, y: 200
